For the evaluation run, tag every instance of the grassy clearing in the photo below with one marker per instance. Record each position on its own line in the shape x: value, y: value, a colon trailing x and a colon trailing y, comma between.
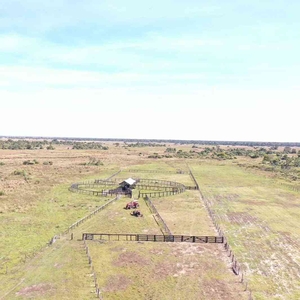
x: 259, y: 214
x: 24, y: 234
x: 140, y: 271
x: 260, y: 220
x: 39, y: 206
x: 163, y: 169
x: 116, y: 219
x: 185, y: 214
x: 60, y: 272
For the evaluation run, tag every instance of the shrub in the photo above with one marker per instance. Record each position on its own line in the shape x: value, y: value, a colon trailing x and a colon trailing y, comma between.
x: 19, y: 172
x: 28, y: 162
x: 93, y: 162
x: 2, y: 193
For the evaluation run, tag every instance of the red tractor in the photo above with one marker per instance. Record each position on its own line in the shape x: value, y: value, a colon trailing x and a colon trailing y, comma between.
x: 132, y: 204
x: 136, y: 213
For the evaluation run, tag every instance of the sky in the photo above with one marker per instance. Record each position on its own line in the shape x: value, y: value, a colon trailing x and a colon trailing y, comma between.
x: 190, y: 70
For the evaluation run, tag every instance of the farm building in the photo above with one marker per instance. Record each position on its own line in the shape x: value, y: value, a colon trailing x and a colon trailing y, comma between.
x: 128, y: 184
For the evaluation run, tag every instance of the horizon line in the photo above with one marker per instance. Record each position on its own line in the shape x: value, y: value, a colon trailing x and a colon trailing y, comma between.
x: 187, y: 141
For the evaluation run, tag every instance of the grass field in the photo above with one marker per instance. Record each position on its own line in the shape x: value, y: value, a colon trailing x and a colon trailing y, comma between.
x: 258, y: 212
x: 261, y: 220
x: 141, y: 271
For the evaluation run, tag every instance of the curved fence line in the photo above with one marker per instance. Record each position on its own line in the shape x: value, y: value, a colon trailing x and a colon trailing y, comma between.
x: 75, y: 187
x: 170, y: 188
x: 163, y: 187
x: 161, y: 194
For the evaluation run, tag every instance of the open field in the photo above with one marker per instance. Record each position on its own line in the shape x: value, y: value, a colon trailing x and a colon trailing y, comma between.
x: 258, y: 212
x: 141, y: 271
x: 260, y: 218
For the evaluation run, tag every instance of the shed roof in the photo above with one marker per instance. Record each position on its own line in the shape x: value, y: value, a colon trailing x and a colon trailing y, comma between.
x: 130, y: 181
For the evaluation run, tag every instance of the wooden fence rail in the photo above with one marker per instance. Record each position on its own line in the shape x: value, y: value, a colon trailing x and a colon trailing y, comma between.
x: 163, y: 187
x: 76, y: 188
x: 160, y: 194
x: 76, y: 224
x: 93, y: 273
x: 235, y: 265
x: 130, y: 237
x: 156, y: 171
x: 160, y: 221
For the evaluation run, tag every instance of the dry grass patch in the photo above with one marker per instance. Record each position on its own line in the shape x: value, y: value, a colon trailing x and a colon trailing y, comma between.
x: 260, y: 222
x: 185, y: 214
x: 116, y: 219
x: 163, y: 271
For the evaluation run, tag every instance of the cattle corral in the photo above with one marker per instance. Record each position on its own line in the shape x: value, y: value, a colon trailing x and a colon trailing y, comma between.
x: 169, y: 247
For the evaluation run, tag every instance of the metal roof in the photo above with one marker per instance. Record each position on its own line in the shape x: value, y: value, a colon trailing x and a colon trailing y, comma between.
x: 130, y: 181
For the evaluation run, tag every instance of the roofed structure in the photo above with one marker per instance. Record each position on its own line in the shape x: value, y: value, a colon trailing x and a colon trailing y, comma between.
x: 128, y: 183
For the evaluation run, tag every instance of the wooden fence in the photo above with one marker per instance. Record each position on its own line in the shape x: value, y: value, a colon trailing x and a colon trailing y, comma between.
x: 169, y: 188
x: 163, y: 187
x: 156, y: 171
x: 94, y: 274
x: 161, y: 183
x: 78, y: 188
x: 161, y: 223
x: 76, y: 224
x: 113, y: 175
x: 235, y: 265
x: 191, y: 187
x: 160, y: 194
x: 130, y: 237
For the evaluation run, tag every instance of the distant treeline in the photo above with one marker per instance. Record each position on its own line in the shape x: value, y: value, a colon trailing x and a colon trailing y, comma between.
x: 216, y: 152
x: 144, y: 145
x: 23, y: 144
x: 147, y: 141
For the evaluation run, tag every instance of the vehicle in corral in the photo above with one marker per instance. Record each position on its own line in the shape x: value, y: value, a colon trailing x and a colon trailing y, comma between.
x: 132, y: 204
x: 136, y: 213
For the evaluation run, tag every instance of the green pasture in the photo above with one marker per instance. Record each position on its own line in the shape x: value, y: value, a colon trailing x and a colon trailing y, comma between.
x: 258, y: 213
x: 132, y: 270
x: 23, y: 234
x: 260, y: 218
x: 60, y: 271
x: 116, y: 219
x: 185, y: 214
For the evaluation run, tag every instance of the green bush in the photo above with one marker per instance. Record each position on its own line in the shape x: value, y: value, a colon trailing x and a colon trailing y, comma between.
x: 19, y: 172
x: 30, y: 162
x: 93, y: 162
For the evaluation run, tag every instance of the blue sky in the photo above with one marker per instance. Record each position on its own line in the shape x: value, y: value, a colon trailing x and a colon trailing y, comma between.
x: 206, y: 70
